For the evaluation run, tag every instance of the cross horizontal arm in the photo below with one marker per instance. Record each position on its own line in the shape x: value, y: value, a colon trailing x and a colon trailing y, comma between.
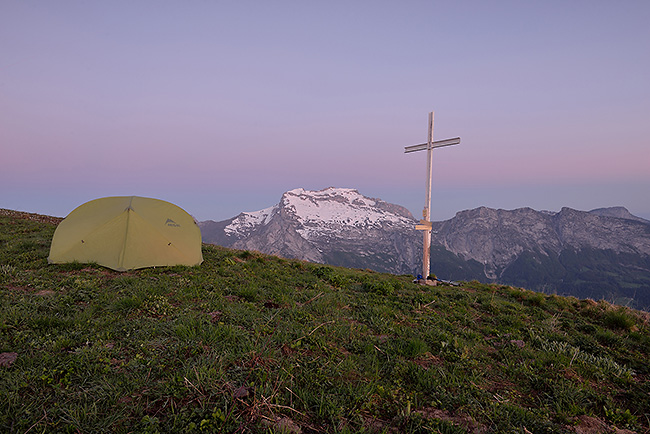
x: 436, y: 144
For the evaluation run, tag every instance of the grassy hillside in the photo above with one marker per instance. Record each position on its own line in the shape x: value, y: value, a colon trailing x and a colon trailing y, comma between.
x: 254, y: 343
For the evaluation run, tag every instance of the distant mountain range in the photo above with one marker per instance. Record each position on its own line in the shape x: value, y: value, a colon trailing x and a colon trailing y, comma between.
x: 603, y: 253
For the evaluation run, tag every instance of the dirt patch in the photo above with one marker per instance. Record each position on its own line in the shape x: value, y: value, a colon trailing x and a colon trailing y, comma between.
x: 465, y: 422
x: 7, y: 359
x: 380, y: 426
x: 593, y: 425
x: 283, y: 425
x: 16, y: 288
x: 215, y: 316
x: 428, y: 360
x: 232, y: 298
x: 42, y: 292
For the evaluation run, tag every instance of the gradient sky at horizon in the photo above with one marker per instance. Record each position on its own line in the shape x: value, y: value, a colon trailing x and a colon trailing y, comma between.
x: 220, y: 106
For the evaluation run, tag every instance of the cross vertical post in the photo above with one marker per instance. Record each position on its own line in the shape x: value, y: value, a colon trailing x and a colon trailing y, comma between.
x: 426, y: 213
x: 425, y: 224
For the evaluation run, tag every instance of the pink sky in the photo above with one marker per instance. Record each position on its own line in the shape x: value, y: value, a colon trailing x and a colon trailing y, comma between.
x: 221, y: 107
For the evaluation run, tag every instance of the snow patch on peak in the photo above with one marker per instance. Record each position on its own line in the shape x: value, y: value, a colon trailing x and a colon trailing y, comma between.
x: 329, y: 212
x: 332, y: 209
x: 246, y: 221
x: 331, y: 193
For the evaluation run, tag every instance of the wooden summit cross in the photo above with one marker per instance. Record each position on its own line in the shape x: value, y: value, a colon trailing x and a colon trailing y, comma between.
x: 425, y: 224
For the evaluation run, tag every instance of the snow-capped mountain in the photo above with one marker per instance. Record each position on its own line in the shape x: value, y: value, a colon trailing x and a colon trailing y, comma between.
x: 338, y: 226
x: 601, y: 253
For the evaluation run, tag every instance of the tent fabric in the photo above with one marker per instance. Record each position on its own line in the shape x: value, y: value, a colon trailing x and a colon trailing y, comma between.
x: 127, y: 232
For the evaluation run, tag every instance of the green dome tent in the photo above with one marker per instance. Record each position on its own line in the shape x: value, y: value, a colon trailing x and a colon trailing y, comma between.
x: 127, y: 232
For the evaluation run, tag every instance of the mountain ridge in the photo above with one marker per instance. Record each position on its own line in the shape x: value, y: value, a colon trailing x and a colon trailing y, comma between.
x: 474, y: 233
x: 548, y: 230
x: 606, y: 250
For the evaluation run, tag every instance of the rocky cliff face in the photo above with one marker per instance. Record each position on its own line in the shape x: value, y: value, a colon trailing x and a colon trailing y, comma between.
x: 603, y: 253
x: 337, y: 226
x: 496, y: 238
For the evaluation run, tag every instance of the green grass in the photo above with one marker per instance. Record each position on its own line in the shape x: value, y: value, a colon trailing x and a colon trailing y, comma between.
x: 253, y: 343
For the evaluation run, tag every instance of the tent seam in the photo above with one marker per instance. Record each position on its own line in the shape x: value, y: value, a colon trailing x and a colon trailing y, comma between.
x: 120, y: 262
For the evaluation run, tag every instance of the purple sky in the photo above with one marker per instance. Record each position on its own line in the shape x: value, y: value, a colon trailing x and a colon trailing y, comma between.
x: 221, y: 106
